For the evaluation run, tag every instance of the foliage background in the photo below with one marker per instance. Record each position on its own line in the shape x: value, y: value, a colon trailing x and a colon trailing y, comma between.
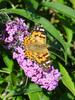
x: 58, y: 19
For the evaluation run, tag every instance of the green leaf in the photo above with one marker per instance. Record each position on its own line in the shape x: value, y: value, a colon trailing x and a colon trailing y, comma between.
x: 61, y: 8
x: 60, y: 1
x: 1, y: 1
x: 34, y: 3
x: 18, y: 98
x: 69, y: 37
x: 35, y: 93
x: 69, y: 33
x: 73, y: 3
x: 1, y: 80
x: 66, y: 96
x: 8, y: 62
x: 66, y: 79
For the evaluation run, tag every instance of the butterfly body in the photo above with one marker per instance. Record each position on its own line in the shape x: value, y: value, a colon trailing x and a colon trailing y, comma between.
x: 36, y: 48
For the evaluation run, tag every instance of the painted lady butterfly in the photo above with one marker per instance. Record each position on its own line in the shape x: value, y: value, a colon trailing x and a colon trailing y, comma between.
x: 36, y: 48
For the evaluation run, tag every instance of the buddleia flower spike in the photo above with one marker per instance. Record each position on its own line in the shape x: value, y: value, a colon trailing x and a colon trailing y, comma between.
x: 17, y: 30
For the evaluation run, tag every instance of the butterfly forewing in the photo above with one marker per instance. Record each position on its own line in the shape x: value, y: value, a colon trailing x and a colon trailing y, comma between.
x: 36, y: 47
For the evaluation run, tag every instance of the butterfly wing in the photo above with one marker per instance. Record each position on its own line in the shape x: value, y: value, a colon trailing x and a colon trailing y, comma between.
x: 36, y: 48
x: 39, y: 37
x: 42, y: 53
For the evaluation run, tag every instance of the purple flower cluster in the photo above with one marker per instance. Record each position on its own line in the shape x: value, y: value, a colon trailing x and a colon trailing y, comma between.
x: 48, y: 80
x: 16, y: 32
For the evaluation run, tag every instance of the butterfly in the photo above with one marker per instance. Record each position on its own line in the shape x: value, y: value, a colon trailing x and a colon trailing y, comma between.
x: 36, y: 48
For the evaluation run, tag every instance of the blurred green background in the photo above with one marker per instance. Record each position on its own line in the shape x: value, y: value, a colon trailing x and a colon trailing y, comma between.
x: 58, y: 19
